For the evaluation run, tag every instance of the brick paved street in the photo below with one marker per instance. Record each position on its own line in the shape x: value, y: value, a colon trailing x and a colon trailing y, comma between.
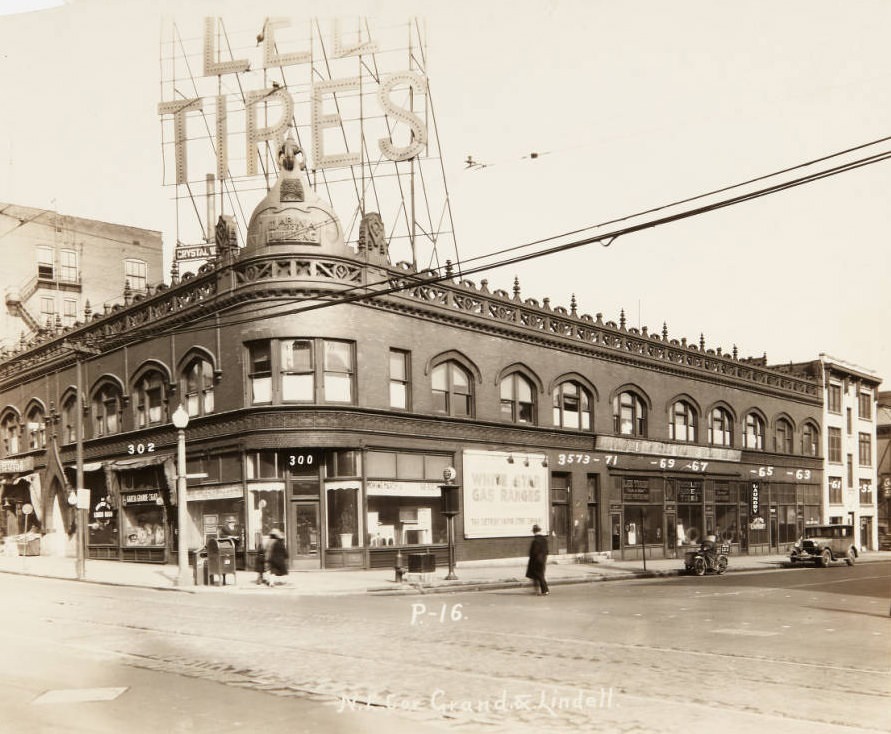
x: 617, y: 657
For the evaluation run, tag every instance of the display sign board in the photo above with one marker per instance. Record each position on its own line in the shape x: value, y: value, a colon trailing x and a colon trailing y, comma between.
x: 136, y: 498
x: 504, y: 494
x: 194, y: 252
x: 16, y: 466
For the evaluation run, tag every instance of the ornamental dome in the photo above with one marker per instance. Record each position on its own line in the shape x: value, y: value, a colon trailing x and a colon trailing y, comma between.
x: 292, y: 217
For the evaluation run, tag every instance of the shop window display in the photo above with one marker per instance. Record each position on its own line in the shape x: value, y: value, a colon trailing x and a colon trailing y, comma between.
x: 343, y: 523
x: 399, y: 521
x: 143, y: 519
x: 267, y: 511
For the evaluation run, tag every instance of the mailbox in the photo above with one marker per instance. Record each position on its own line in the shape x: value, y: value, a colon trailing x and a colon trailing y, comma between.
x: 220, y: 560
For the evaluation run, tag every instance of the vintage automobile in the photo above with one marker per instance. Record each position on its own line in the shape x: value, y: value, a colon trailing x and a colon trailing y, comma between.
x: 822, y: 544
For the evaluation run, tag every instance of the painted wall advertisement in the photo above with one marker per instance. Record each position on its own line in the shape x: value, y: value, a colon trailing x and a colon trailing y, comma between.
x: 505, y: 494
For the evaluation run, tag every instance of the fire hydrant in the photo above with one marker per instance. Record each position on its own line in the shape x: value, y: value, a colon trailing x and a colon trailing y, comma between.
x: 398, y: 567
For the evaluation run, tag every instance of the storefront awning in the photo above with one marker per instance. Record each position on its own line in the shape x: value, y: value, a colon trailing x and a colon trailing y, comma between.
x: 138, y: 462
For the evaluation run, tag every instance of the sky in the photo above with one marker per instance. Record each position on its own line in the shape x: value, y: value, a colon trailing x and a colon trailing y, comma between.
x: 629, y: 105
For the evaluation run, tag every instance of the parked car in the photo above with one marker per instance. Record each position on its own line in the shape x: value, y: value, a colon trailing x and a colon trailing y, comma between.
x: 822, y: 544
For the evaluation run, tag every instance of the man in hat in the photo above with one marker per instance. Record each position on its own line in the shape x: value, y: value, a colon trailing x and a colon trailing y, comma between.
x: 538, y: 560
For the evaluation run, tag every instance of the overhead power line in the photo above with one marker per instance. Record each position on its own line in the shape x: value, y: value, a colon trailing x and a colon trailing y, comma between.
x: 606, y: 238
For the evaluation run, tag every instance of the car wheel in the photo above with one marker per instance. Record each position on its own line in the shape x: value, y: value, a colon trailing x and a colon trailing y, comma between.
x: 722, y: 564
x: 825, y: 558
x: 699, y: 566
x: 851, y: 557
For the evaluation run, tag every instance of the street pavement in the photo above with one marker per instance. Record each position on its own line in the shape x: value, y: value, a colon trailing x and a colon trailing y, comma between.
x: 500, y: 573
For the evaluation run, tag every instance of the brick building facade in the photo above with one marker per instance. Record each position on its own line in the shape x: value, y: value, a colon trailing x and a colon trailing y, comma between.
x: 329, y: 388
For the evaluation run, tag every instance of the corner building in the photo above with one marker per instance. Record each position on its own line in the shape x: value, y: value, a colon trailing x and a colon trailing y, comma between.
x: 329, y: 388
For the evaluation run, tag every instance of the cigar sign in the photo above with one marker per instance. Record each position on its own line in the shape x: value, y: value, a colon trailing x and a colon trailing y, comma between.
x: 249, y: 92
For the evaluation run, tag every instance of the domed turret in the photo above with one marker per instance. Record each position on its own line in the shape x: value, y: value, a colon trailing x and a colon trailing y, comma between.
x: 292, y: 218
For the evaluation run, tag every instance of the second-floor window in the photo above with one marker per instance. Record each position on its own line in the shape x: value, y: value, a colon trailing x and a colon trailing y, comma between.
x: 720, y: 427
x: 836, y: 490
x: 754, y: 432
x: 866, y: 496
x: 809, y: 440
x: 864, y: 444
x: 260, y: 372
x: 835, y: 445
x: 150, y: 397
x: 69, y: 420
x: 572, y: 406
x: 107, y: 410
x: 399, y: 379
x: 629, y: 414
x: 783, y: 438
x: 198, y: 380
x: 9, y: 430
x: 304, y: 371
x: 452, y: 390
x: 36, y: 425
x: 683, y: 422
x: 517, y: 404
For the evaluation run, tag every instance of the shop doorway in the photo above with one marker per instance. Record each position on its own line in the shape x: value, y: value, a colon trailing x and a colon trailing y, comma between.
x: 865, y: 533
x: 304, y: 545
x: 561, y: 521
x: 615, y: 519
x: 671, y: 535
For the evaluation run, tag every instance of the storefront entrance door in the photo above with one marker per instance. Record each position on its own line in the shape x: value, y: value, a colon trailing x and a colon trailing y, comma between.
x: 305, y: 539
x: 671, y: 535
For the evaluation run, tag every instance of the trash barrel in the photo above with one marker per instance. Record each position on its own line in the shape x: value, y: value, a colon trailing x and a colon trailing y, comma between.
x: 421, y: 563
x: 220, y: 561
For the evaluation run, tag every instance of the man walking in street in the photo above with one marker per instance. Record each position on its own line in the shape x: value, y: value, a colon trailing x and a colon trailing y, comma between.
x: 538, y: 560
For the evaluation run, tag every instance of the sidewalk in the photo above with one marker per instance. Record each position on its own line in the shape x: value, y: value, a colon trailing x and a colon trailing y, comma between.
x: 473, y: 575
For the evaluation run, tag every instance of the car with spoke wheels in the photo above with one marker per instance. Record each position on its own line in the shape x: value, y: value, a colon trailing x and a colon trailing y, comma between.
x: 821, y: 545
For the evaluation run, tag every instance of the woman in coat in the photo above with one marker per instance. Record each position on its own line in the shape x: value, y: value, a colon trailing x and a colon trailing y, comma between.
x: 538, y: 561
x: 276, y: 556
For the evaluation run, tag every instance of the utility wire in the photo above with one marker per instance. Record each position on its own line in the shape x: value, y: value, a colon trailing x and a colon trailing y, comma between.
x: 368, y: 291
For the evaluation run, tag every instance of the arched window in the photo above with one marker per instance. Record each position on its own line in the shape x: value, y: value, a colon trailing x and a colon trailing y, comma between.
x: 198, y: 379
x: 683, y: 422
x: 783, y: 438
x: 9, y: 430
x: 572, y: 406
x: 629, y: 414
x: 517, y: 399
x: 452, y: 390
x: 69, y: 419
x: 753, y: 438
x: 107, y: 403
x: 149, y: 400
x: 36, y: 425
x: 720, y: 428
x: 810, y: 440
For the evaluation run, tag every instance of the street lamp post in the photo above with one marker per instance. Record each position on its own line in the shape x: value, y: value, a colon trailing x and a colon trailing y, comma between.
x: 80, y: 537
x: 450, y: 509
x: 180, y: 419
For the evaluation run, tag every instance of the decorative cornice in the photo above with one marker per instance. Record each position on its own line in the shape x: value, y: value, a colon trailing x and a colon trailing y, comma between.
x: 422, y: 294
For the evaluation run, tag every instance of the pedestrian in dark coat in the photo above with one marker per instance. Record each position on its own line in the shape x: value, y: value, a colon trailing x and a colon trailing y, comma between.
x: 276, y: 556
x: 538, y: 561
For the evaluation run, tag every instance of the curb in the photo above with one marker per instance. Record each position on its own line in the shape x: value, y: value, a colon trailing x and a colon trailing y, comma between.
x: 408, y: 589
